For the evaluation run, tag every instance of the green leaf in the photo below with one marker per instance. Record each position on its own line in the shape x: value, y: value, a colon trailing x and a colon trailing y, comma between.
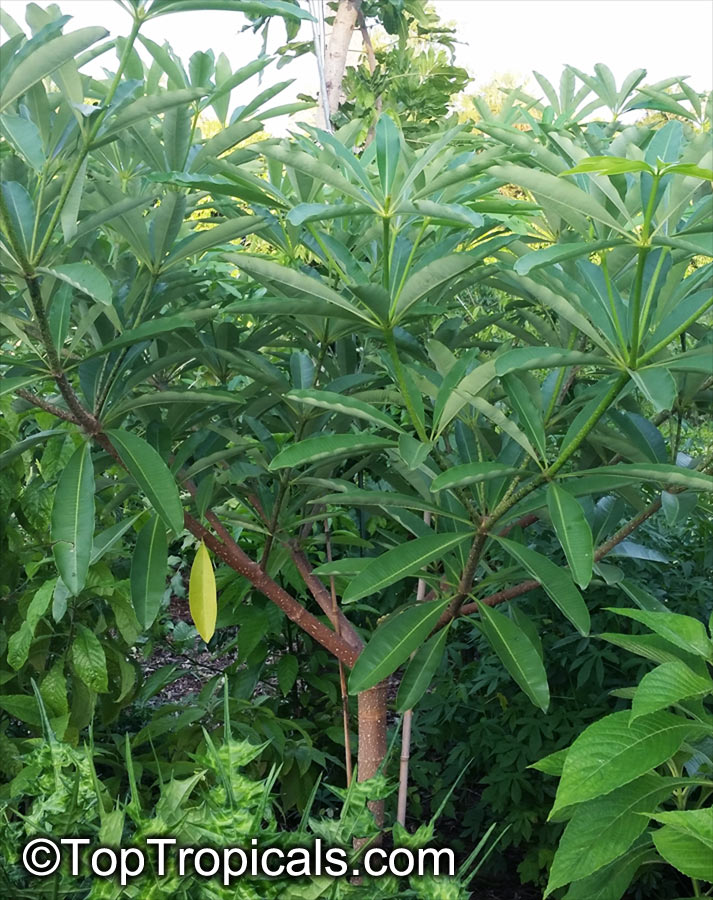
x: 609, y: 165
x: 529, y: 412
x: 517, y: 653
x: 85, y: 277
x: 25, y: 138
x: 331, y: 447
x: 442, y: 213
x: 341, y: 403
x: 387, y: 500
x: 613, y: 752
x: 316, y: 168
x: 406, y: 559
x: 253, y: 8
x: 47, y: 59
x: 392, y: 643
x: 573, y: 532
x: 611, y: 882
x: 151, y: 474
x: 421, y: 670
x: 145, y: 108
x: 430, y: 278
x: 658, y: 386
x: 691, y: 170
x: 668, y: 684
x: 696, y: 822
x: 552, y: 764
x: 73, y: 519
x: 105, y: 540
x: 70, y: 210
x: 687, y: 853
x: 320, y: 212
x: 20, y: 642
x: 149, y: 565
x: 146, y: 331
x: 21, y: 210
x: 413, y: 452
x: 525, y: 358
x: 570, y: 201
x: 602, y: 829
x: 558, y: 253
x: 388, y: 151
x: 557, y: 582
x: 290, y: 282
x: 498, y: 417
x: 684, y: 631
x: 470, y: 473
x: 678, y: 507
x: 662, y: 473
x: 88, y: 659
x: 287, y: 669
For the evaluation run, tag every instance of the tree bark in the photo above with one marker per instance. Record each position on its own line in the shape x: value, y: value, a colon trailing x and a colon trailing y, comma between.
x: 372, y: 739
x: 335, y: 61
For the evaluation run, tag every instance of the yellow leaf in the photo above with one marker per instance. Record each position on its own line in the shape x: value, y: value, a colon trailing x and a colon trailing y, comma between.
x: 202, y: 594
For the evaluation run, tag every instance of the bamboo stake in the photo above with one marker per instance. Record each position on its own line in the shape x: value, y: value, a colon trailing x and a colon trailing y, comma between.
x: 407, y: 723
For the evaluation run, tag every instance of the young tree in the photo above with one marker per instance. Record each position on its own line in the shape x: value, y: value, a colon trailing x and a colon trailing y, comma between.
x: 349, y: 373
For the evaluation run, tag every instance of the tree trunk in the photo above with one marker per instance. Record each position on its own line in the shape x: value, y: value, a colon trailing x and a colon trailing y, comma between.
x: 336, y: 56
x: 372, y: 739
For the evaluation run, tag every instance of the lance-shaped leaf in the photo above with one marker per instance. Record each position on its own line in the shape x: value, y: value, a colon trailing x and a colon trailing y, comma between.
x: 668, y: 684
x: 684, y: 631
x: 498, y: 417
x: 603, y: 829
x: 332, y: 447
x: 341, y: 403
x: 387, y: 500
x: 315, y: 168
x: 558, y: 253
x: 47, y: 59
x: 662, y: 473
x: 609, y: 165
x: 288, y: 281
x: 517, y: 653
x: 442, y: 213
x: 573, y: 532
x: 612, y: 752
x: 145, y: 108
x: 557, y: 582
x: 657, y: 385
x: 400, y: 562
x: 470, y: 473
x: 529, y: 411
x: 73, y: 520
x: 203, y: 240
x: 388, y: 151
x: 392, y: 643
x: 85, y: 277
x: 319, y: 212
x: 148, y: 571
x: 525, y: 358
x: 420, y: 671
x: 151, y: 474
x: 105, y: 540
x: 202, y: 595
x: 432, y: 277
x: 570, y: 201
